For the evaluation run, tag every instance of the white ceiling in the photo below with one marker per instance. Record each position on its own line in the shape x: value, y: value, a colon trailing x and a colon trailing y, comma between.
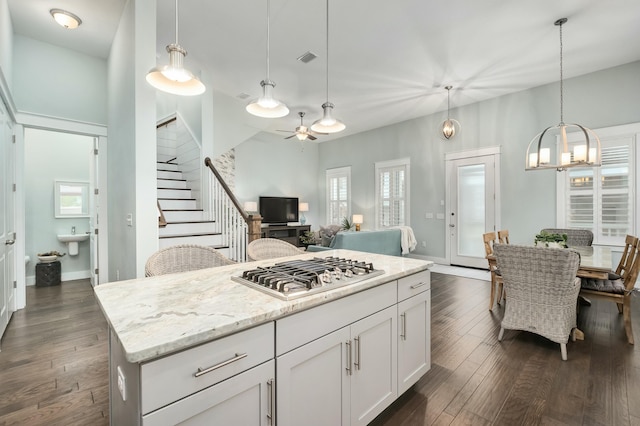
x: 389, y: 60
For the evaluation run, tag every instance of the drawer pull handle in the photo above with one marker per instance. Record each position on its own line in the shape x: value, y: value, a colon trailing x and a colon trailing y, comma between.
x: 420, y: 284
x: 403, y: 325
x: 270, y: 416
x: 201, y: 371
x: 348, y: 347
x: 357, y: 349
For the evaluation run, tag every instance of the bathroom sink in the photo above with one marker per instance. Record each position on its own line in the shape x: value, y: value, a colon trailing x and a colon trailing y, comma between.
x: 68, y: 238
x: 72, y: 240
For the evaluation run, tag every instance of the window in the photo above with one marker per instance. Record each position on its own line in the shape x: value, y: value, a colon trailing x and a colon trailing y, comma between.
x: 602, y: 198
x: 338, y: 194
x: 71, y: 199
x: 392, y: 193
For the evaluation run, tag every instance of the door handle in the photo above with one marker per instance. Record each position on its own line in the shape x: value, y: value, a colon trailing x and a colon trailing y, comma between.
x: 9, y: 242
x: 452, y: 225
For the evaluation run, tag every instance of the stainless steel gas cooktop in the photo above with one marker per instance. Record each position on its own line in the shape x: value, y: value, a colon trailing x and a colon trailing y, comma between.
x: 299, y: 278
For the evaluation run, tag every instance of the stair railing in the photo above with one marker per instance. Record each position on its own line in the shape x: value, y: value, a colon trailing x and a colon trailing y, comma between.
x: 237, y: 227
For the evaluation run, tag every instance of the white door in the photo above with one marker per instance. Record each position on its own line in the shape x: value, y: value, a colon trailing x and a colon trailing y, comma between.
x: 94, y: 200
x: 473, y: 206
x: 7, y: 222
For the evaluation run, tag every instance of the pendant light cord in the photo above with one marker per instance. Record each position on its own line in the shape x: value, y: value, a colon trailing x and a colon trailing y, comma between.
x: 327, y: 34
x: 561, y: 80
x: 448, y: 100
x: 268, y: 36
x: 177, y: 23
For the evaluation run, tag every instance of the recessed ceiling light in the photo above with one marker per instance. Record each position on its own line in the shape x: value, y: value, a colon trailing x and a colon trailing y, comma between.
x: 66, y: 19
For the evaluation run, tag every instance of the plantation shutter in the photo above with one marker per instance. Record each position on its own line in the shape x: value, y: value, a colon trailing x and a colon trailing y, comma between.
x: 338, y: 194
x: 392, y: 193
x: 600, y: 198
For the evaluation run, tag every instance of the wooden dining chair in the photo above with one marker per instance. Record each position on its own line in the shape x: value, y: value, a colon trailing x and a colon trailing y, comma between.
x: 619, y: 286
x: 489, y: 240
x: 503, y: 236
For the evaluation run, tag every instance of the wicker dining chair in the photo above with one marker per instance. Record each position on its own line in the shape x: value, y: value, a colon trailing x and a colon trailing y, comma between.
x: 543, y: 291
x: 183, y: 258
x: 575, y: 237
x: 619, y: 287
x: 270, y: 248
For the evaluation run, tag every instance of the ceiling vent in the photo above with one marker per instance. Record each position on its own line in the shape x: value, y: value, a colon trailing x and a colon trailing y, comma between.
x: 307, y: 57
x: 242, y: 95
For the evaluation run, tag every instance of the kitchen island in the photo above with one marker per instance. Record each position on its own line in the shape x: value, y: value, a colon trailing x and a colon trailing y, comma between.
x: 199, y: 347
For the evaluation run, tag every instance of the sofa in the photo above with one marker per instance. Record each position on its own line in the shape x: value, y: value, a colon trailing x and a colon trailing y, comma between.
x: 386, y: 241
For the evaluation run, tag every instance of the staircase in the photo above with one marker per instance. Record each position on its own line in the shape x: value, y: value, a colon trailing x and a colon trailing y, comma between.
x: 185, y: 221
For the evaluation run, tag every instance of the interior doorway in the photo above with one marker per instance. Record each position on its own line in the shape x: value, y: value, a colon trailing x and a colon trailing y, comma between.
x: 473, y: 204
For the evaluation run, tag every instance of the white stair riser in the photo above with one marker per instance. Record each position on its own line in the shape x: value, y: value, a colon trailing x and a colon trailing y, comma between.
x: 184, y: 216
x: 165, y: 166
x: 187, y: 228
x: 203, y: 240
x: 170, y: 183
x: 177, y: 205
x: 175, y: 193
x: 169, y: 175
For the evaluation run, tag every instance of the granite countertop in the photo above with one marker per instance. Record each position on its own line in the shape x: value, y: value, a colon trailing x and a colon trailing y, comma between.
x: 156, y: 316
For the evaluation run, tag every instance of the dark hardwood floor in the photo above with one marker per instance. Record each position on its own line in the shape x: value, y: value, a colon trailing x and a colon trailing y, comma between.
x: 53, y: 365
x: 53, y: 359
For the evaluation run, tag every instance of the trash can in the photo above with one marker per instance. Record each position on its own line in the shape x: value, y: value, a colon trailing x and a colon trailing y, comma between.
x: 48, y: 274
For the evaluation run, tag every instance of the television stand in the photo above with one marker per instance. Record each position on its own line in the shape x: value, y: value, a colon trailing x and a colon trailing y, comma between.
x: 290, y: 234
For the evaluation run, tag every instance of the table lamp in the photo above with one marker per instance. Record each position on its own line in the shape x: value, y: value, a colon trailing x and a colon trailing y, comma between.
x: 303, y: 207
x: 357, y: 220
x: 251, y: 206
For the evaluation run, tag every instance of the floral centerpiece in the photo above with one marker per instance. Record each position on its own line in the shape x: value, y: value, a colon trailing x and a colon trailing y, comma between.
x: 308, y: 238
x: 547, y: 239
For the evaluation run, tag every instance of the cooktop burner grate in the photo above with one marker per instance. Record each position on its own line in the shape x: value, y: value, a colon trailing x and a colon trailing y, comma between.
x: 297, y: 278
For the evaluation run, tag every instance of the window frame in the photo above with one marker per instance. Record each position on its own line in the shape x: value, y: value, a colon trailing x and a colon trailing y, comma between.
x: 381, y: 166
x: 610, y: 136
x: 337, y: 173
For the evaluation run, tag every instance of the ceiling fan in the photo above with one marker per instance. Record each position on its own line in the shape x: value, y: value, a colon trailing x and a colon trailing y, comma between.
x: 302, y: 132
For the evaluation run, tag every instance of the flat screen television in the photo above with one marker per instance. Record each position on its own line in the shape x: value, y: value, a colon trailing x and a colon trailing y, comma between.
x: 278, y: 210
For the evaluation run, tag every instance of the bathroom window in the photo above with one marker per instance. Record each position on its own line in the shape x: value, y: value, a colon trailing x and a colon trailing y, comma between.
x: 71, y: 199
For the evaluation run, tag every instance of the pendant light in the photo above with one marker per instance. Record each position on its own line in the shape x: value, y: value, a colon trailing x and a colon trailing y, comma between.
x: 267, y: 106
x: 449, y: 126
x: 586, y: 152
x: 174, y: 78
x: 328, y: 124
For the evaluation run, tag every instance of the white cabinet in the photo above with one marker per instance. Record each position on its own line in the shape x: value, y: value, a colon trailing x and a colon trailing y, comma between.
x: 373, y: 367
x: 347, y: 377
x: 414, y: 329
x: 313, y: 383
x: 245, y: 399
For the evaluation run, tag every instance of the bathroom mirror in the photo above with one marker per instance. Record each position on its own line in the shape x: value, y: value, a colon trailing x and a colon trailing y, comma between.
x: 71, y: 199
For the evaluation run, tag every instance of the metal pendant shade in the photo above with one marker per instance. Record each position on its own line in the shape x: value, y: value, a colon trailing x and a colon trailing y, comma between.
x: 450, y: 127
x: 541, y: 151
x: 328, y: 124
x: 266, y: 106
x: 175, y: 78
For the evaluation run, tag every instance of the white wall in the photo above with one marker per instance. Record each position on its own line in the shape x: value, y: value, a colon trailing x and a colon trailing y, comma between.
x: 6, y: 45
x: 132, y: 143
x: 268, y: 165
x: 57, y: 82
x: 51, y: 156
x: 600, y: 99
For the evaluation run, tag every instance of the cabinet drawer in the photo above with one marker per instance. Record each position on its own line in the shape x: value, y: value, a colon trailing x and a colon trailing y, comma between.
x: 414, y: 284
x: 173, y: 377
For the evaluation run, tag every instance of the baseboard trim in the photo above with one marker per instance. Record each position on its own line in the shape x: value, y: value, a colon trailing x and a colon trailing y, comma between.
x: 65, y: 276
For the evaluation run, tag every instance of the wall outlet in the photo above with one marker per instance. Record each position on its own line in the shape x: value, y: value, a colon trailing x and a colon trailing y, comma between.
x: 122, y: 384
x: 424, y: 244
x: 129, y: 219
x: 117, y: 274
x: 428, y: 215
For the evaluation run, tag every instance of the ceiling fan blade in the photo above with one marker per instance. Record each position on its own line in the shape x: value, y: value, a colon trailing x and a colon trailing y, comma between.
x: 313, y: 138
x: 289, y: 137
x: 318, y: 133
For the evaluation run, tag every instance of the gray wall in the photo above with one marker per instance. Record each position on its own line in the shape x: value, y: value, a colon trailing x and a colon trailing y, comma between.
x: 51, y: 156
x: 57, y: 82
x: 6, y: 44
x: 268, y: 165
x: 606, y: 98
